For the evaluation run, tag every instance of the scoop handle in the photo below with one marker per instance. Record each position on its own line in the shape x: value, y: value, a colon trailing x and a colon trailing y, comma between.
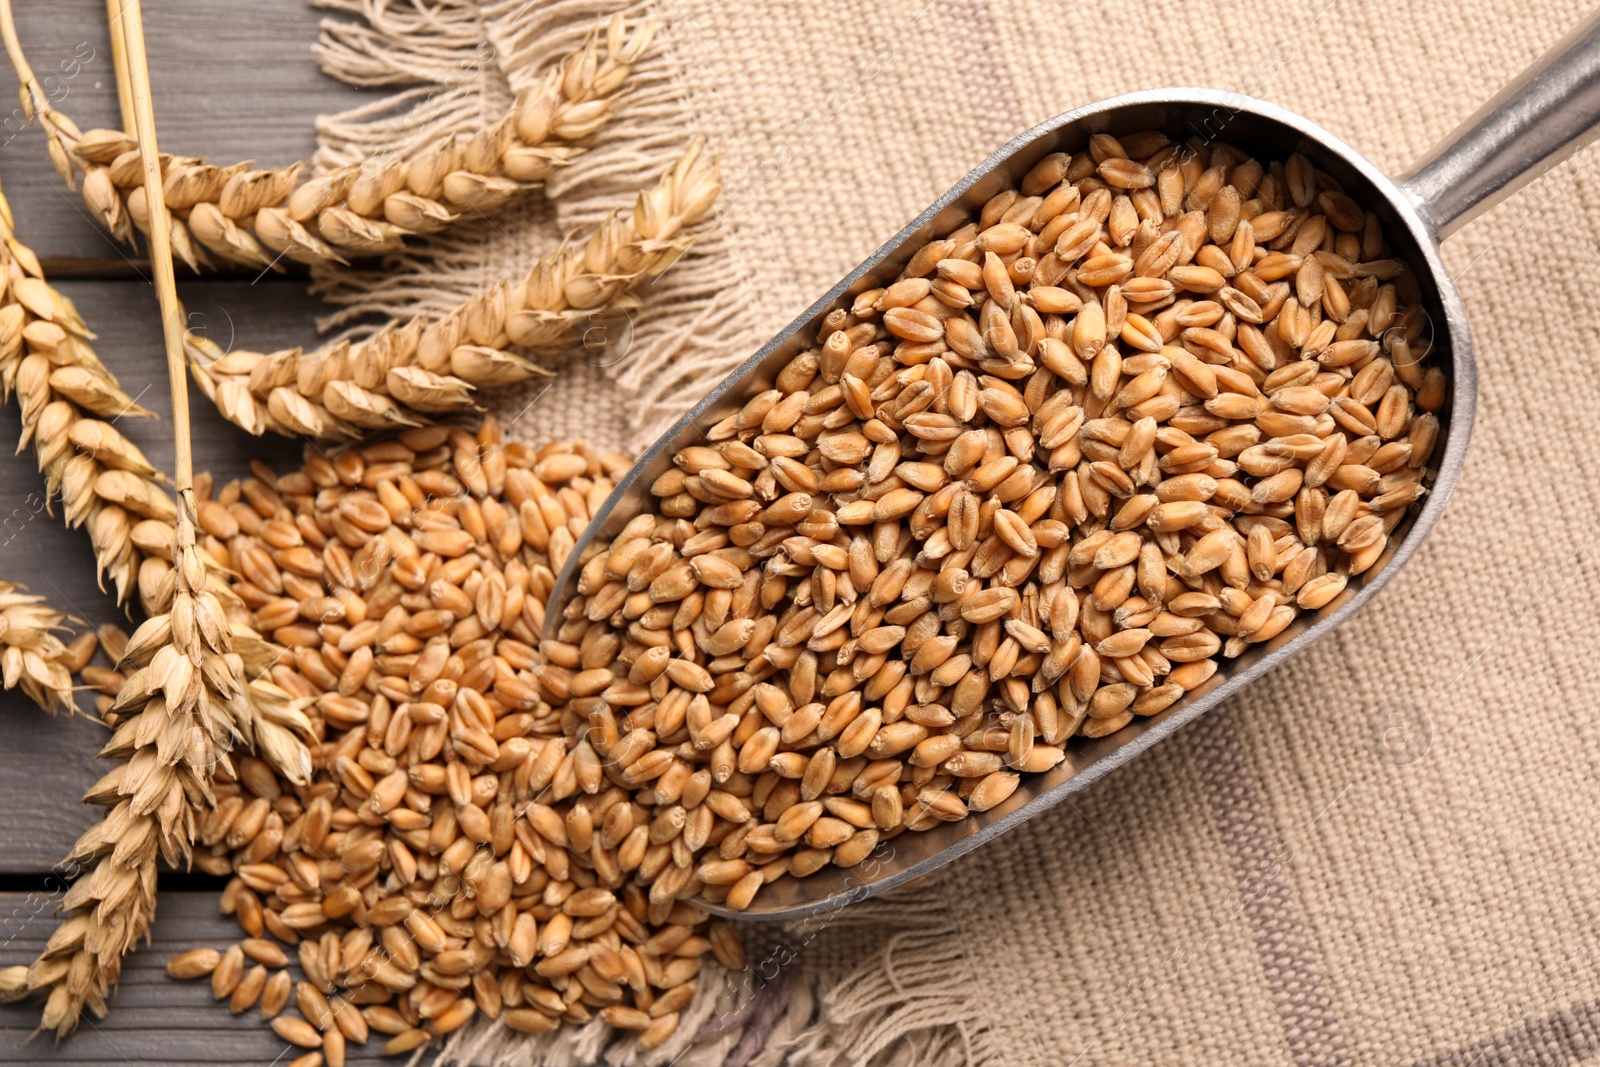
x: 1540, y: 118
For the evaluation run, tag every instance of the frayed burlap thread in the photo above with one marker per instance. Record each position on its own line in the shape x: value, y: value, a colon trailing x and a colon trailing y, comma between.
x: 904, y: 993
x: 378, y: 44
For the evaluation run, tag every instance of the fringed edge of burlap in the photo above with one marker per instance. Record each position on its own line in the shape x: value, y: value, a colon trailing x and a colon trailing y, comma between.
x: 455, y: 63
x: 693, y: 325
x: 911, y: 1001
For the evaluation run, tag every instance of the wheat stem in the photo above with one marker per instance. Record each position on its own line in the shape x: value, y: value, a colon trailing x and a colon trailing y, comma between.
x: 119, y: 63
x: 137, y: 81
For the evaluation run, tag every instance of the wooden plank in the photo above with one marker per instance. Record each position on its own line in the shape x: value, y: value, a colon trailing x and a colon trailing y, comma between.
x: 233, y: 80
x: 45, y: 763
x: 154, y: 1019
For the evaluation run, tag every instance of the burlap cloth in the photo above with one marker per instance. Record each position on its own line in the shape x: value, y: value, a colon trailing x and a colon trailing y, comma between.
x: 1386, y: 852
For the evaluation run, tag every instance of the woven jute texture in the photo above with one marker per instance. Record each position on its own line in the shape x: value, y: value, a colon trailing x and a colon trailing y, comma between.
x: 1386, y: 851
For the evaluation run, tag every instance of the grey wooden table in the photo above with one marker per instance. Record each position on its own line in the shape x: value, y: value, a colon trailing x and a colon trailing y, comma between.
x: 233, y: 79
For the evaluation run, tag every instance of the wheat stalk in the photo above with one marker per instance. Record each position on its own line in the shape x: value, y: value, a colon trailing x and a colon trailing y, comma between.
x: 175, y: 718
x: 403, y: 375
x: 258, y: 216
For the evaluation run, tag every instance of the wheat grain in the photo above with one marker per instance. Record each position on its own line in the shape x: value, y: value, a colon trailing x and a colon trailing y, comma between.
x: 254, y: 217
x: 880, y: 592
x: 405, y: 375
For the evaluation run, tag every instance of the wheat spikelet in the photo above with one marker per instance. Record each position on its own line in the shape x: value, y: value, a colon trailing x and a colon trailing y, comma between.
x: 257, y: 216
x: 32, y: 655
x: 565, y: 289
x: 403, y: 375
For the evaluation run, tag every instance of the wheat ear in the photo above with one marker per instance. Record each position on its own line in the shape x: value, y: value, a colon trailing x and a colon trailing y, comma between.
x: 266, y: 717
x: 404, y: 375
x: 194, y: 627
x: 257, y: 216
x: 69, y: 403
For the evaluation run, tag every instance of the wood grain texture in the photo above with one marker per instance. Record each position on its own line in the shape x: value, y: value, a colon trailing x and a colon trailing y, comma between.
x: 45, y: 763
x: 154, y: 1019
x: 233, y: 80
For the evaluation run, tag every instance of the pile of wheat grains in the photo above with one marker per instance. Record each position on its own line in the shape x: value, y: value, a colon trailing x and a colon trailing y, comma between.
x: 461, y: 849
x: 1141, y: 413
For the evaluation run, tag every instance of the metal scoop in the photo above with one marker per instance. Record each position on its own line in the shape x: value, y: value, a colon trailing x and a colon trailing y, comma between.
x: 1535, y: 122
